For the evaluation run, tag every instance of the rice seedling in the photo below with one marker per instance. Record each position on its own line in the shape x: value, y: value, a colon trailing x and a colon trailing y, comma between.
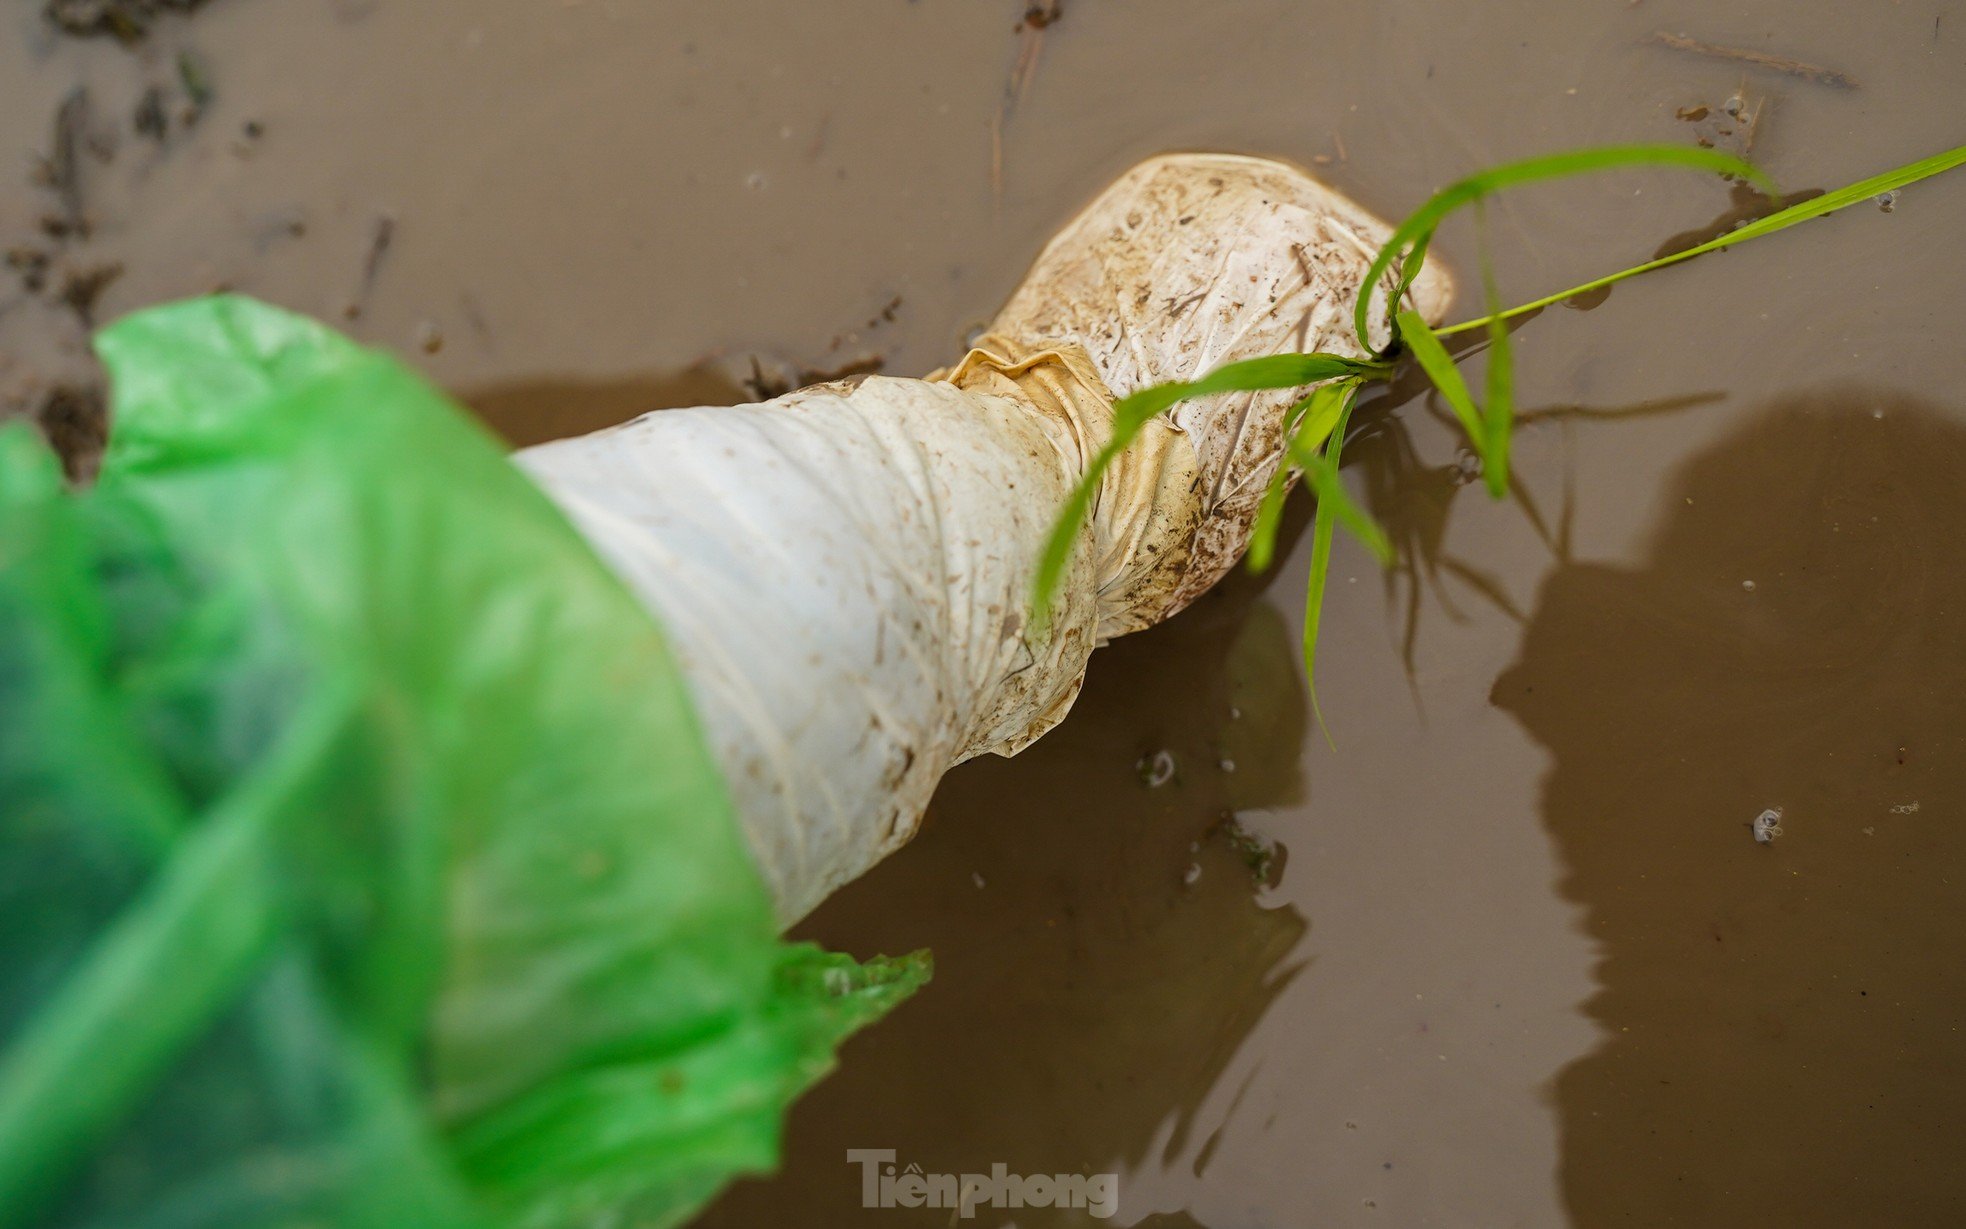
x: 1315, y: 427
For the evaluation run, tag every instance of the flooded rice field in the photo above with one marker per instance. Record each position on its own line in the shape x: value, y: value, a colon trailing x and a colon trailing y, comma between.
x: 1505, y: 950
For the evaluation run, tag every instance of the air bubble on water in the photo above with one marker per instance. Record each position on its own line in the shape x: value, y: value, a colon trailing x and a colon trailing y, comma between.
x: 1157, y: 769
x: 1768, y: 825
x: 1748, y: 585
x: 1228, y: 765
x: 1192, y: 873
x: 976, y: 878
x: 1888, y: 201
x: 755, y: 180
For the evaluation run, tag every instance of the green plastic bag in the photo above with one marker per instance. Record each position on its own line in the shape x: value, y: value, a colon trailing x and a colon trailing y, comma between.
x: 361, y: 861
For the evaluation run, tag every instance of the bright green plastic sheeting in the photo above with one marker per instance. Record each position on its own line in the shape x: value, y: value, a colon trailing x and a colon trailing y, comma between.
x: 361, y: 861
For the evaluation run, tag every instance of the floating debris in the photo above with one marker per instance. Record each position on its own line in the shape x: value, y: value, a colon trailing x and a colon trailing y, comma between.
x: 380, y: 241
x: 197, y: 86
x: 1768, y: 825
x: 1758, y: 59
x: 1260, y: 855
x: 125, y: 20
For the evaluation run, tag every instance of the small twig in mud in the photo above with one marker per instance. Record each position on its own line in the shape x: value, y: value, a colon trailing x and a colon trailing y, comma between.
x: 1759, y: 59
x: 1753, y: 126
x: 385, y: 235
x: 63, y: 166
x: 1036, y: 20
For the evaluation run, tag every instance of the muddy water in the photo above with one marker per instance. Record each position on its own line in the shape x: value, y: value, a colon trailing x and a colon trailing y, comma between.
x: 1517, y: 958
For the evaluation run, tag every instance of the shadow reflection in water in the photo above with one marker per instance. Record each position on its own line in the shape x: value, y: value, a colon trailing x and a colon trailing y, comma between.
x: 1102, y: 947
x: 1783, y: 1021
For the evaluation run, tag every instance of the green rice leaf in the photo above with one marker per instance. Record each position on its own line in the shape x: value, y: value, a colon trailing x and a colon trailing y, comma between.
x: 1333, y: 505
x: 1411, y: 237
x: 1498, y: 417
x: 1321, y: 472
x: 1308, y: 424
x: 1132, y: 413
x: 1424, y: 345
x: 1803, y: 211
x: 1269, y: 514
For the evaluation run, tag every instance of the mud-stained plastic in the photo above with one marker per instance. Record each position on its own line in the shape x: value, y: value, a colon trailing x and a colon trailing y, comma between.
x: 845, y: 571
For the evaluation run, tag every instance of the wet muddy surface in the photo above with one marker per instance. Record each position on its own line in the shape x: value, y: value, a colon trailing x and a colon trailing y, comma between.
x: 1509, y: 952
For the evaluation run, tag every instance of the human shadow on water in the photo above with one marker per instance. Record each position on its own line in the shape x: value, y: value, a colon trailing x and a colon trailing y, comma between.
x: 1782, y: 1020
x: 1103, y: 941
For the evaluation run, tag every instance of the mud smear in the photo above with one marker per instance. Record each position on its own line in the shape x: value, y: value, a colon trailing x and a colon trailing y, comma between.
x: 1782, y: 1021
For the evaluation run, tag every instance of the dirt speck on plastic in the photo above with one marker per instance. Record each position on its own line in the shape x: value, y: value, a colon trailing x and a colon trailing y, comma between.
x: 1516, y: 959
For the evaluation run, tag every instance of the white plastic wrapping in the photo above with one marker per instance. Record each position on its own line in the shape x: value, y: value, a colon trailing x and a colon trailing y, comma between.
x: 844, y: 572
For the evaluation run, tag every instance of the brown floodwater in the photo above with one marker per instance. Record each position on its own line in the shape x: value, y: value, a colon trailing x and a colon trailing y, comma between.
x: 1504, y: 951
